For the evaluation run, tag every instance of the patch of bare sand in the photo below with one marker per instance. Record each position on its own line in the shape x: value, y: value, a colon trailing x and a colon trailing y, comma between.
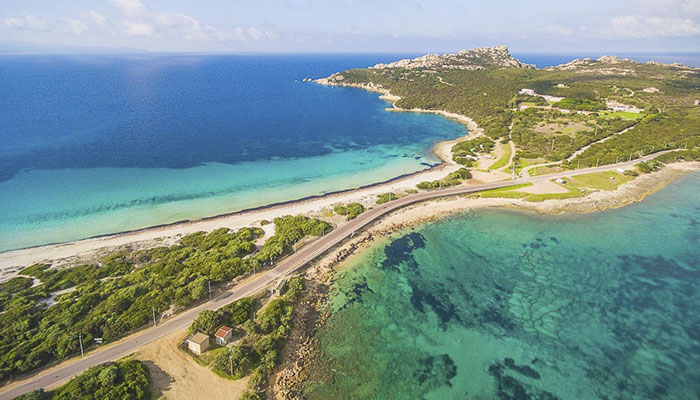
x: 544, y: 187
x: 177, y: 376
x: 487, y: 177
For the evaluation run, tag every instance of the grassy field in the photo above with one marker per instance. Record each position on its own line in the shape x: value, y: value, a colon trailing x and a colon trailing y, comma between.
x: 608, y: 180
x: 623, y: 115
x: 545, y: 170
x: 503, y: 161
x: 578, y: 186
x: 507, y: 192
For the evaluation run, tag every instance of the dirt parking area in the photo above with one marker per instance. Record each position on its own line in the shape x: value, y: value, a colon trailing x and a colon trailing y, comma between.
x: 178, y: 377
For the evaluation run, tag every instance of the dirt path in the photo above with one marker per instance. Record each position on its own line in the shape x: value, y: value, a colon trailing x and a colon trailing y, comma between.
x: 526, y: 171
x: 584, y: 148
x: 446, y: 83
x: 177, y: 376
x: 512, y: 148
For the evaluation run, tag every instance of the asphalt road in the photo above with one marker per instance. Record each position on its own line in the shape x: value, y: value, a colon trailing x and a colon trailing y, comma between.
x: 288, y: 265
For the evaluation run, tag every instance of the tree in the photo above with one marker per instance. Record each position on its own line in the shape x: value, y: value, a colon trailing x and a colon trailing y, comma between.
x: 235, y: 361
x: 276, y: 314
x: 265, y: 344
x: 108, y: 376
x: 206, y: 322
x: 249, y: 327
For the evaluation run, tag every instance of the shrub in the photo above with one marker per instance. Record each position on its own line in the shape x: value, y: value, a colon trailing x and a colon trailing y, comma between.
x: 386, y: 197
x: 207, y: 322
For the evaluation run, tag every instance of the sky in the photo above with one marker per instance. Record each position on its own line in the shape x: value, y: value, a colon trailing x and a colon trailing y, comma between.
x: 626, y: 26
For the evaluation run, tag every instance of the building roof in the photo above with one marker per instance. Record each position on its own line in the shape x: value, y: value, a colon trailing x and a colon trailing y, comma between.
x: 223, y: 331
x: 199, y: 338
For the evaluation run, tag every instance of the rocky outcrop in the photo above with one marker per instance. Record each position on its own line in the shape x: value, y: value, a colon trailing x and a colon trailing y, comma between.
x: 475, y: 59
x: 611, y: 65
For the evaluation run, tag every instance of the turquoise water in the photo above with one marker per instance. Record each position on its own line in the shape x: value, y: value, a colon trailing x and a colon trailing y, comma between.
x: 100, y: 144
x: 496, y: 304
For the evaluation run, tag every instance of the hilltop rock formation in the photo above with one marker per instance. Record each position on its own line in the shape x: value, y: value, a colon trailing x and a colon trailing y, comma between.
x: 475, y: 59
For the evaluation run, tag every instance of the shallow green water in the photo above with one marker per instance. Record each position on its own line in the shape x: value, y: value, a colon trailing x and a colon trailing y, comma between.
x: 505, y: 305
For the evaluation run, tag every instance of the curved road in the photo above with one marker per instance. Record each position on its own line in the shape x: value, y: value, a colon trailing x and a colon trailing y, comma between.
x: 114, y: 351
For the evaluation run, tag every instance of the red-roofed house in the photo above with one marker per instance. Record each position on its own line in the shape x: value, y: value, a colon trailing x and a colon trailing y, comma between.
x: 223, y: 335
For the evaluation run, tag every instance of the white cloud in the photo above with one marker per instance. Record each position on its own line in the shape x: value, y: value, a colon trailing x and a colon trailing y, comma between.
x: 653, y: 26
x: 132, y: 8
x: 134, y: 28
x: 134, y: 18
x: 184, y: 25
x: 95, y: 17
x: 13, y: 23
x: 142, y: 21
x: 646, y: 19
x: 29, y: 22
x: 76, y: 26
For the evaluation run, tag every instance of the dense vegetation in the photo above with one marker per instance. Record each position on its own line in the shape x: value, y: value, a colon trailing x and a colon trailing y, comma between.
x: 110, y: 381
x: 580, y: 104
x: 122, y: 292
x: 490, y: 97
x: 453, y: 179
x: 554, y: 136
x: 234, y: 314
x: 257, y: 353
x: 350, y: 210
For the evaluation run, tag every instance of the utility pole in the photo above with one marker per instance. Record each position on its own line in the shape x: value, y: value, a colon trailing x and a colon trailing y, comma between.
x: 209, y: 283
x: 154, y: 316
x: 578, y: 164
x: 80, y: 340
x: 230, y: 357
x: 596, y: 162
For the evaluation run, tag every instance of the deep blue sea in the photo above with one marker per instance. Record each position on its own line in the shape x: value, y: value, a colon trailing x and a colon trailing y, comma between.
x: 97, y: 144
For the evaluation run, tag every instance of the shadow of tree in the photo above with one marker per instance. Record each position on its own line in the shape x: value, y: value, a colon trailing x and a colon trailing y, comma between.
x: 161, y: 380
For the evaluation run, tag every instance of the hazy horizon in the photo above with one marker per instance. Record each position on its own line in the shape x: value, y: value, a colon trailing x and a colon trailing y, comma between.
x: 387, y: 26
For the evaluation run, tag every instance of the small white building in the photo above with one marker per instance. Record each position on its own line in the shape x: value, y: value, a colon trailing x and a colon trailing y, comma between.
x: 198, y: 343
x: 697, y: 102
x: 223, y: 335
x: 615, y: 106
x: 553, y: 99
x: 528, y: 92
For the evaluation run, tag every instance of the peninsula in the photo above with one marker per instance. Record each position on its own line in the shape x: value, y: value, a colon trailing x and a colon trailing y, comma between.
x: 582, y: 136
